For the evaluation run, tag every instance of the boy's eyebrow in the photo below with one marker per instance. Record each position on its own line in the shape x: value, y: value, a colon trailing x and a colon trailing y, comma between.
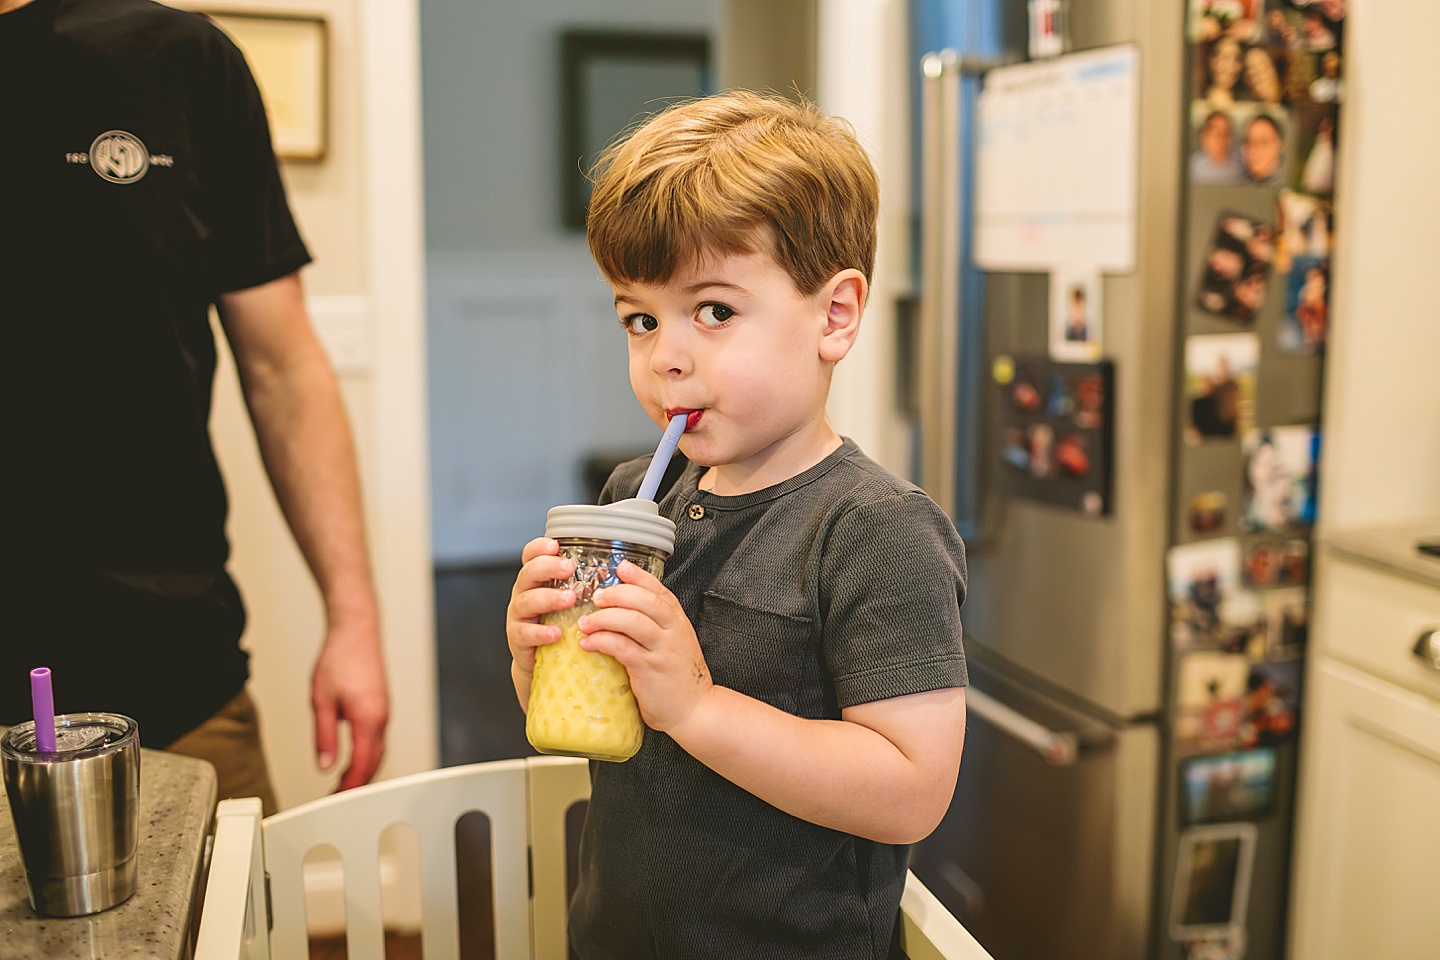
x: 706, y: 284
x: 691, y: 288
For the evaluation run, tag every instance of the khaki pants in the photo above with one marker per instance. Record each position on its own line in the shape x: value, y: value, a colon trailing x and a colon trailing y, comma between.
x: 231, y: 741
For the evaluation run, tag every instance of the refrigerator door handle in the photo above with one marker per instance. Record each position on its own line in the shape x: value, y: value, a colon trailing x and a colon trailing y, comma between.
x: 1059, y: 748
x: 939, y: 275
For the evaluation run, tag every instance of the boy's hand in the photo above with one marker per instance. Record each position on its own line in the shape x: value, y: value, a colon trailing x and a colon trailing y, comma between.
x: 640, y: 623
x: 532, y: 596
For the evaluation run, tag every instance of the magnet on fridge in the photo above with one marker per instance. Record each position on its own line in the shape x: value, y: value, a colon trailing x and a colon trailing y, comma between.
x: 1237, y: 268
x: 1283, y: 563
x: 1003, y: 369
x: 1072, y: 455
x: 1042, y: 439
x: 1220, y: 385
x: 1213, y: 880
x: 1061, y: 404
x: 1075, y: 328
x: 1090, y: 395
x: 1049, y: 36
x: 1016, y: 452
x: 1287, y: 623
x: 1223, y: 787
x: 1207, y: 511
x: 1279, y: 478
x: 1025, y: 395
x: 1202, y: 576
x: 1270, y: 704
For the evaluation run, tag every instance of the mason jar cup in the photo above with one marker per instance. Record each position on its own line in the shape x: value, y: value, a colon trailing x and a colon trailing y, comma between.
x: 580, y: 700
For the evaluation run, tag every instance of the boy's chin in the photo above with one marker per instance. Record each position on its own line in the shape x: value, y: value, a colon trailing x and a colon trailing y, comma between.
x: 697, y: 456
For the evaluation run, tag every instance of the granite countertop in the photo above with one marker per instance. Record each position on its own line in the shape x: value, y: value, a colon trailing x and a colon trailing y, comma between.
x: 1392, y: 548
x: 177, y: 806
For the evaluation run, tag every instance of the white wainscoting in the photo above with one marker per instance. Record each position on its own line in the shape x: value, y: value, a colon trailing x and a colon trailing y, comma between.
x: 527, y: 379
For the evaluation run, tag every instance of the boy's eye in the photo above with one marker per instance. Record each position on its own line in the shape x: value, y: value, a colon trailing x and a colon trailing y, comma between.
x: 638, y: 323
x: 715, y: 313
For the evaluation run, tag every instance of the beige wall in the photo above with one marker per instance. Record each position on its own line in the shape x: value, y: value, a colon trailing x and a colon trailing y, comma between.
x: 365, y: 294
x: 863, y: 73
x: 768, y: 45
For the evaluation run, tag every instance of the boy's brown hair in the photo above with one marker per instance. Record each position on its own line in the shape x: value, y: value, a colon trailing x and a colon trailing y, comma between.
x: 735, y: 173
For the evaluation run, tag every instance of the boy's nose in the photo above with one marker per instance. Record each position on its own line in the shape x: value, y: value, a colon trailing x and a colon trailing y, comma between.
x: 670, y: 358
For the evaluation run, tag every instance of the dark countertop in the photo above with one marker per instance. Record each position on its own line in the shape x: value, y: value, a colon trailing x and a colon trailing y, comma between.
x: 1392, y: 548
x: 177, y: 805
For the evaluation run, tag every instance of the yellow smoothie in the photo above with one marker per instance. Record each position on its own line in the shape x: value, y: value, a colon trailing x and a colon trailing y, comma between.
x: 580, y: 701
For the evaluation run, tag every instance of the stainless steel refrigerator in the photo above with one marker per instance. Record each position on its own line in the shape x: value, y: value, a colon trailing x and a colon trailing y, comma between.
x: 1064, y: 841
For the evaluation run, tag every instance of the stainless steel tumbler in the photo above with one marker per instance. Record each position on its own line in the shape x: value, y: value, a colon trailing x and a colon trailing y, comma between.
x: 76, y: 811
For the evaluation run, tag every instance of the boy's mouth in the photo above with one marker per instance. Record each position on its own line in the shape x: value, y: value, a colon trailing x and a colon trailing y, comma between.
x: 692, y: 417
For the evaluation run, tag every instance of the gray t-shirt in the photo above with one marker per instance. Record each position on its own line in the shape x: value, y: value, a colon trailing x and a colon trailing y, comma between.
x: 837, y: 587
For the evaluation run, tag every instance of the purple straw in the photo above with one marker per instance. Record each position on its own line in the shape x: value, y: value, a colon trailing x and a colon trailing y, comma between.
x: 44, y: 703
x: 661, y: 460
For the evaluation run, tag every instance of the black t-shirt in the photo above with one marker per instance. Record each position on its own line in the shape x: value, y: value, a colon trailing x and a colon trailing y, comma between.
x: 137, y: 183
x: 838, y: 587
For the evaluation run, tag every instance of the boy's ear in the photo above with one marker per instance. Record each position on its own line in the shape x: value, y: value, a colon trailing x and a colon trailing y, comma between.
x: 844, y: 296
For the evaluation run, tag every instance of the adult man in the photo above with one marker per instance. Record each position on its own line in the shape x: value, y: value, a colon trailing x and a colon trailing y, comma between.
x: 139, y: 187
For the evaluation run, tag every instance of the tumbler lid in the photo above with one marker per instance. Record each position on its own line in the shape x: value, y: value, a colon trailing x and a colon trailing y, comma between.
x: 631, y: 521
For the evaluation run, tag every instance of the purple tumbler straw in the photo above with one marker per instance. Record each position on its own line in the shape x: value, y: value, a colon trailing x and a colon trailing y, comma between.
x: 43, y: 701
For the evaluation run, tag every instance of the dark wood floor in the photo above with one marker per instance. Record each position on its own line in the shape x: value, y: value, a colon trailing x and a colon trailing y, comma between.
x: 479, y: 717
x: 398, y: 946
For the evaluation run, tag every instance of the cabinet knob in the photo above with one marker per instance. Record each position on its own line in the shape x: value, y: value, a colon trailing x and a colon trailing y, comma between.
x: 1427, y: 647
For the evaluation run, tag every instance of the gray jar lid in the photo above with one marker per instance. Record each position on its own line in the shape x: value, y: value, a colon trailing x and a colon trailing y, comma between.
x: 633, y: 521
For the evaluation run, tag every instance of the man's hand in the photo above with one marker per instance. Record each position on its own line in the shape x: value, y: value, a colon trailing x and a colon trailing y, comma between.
x: 349, y: 685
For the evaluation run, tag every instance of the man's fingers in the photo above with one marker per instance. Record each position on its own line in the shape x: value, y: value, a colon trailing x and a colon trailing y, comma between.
x: 326, y: 721
x: 367, y: 749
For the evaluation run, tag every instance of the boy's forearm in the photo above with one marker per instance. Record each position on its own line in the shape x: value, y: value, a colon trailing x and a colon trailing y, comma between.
x: 837, y: 773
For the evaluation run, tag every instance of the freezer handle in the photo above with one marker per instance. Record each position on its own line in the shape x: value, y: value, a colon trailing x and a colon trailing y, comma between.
x: 1059, y: 748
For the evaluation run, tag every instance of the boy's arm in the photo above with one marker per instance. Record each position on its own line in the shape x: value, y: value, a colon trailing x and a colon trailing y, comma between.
x: 893, y: 576
x: 885, y: 771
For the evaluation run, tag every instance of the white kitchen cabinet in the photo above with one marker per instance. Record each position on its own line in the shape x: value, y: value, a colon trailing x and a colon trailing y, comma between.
x: 1367, y: 868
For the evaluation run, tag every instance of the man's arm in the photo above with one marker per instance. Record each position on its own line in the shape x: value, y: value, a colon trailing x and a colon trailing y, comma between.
x: 305, y: 442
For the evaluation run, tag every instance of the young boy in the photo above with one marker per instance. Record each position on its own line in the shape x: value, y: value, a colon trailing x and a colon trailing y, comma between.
x: 799, y: 670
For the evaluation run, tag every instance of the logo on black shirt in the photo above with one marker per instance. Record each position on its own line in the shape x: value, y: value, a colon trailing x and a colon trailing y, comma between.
x: 119, y: 157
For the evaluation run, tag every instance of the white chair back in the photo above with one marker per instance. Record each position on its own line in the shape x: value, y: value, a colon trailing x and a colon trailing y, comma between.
x: 527, y: 802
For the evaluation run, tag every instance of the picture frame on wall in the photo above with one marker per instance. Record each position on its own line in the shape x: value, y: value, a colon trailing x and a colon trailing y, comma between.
x: 289, y: 56
x: 611, y: 81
